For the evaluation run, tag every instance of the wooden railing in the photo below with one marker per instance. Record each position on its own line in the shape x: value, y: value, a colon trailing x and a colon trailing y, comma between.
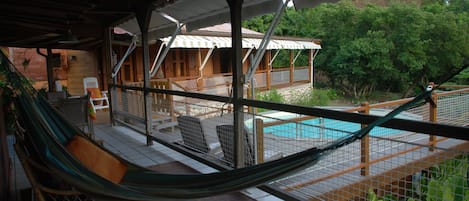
x: 365, y: 161
x: 223, y: 80
x: 162, y: 104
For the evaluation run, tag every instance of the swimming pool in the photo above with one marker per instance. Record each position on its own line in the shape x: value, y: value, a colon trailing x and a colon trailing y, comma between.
x: 323, y: 128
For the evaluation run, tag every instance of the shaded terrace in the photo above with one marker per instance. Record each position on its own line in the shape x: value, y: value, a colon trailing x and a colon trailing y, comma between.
x: 237, y: 112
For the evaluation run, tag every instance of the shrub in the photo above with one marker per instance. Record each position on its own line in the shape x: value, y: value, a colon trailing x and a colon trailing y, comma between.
x: 270, y: 96
x: 314, y: 97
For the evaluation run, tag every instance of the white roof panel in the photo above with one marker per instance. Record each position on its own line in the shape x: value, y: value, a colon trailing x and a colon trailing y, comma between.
x: 196, y: 41
x: 189, y: 41
x: 220, y: 42
x: 289, y: 44
x: 310, y: 45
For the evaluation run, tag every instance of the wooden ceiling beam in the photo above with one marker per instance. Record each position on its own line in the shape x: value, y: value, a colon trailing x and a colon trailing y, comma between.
x: 42, y: 23
x: 39, y: 11
x: 38, y: 20
x: 64, y: 6
x: 37, y: 38
x: 29, y: 26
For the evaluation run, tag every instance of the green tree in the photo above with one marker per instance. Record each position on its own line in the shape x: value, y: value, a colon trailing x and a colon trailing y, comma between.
x: 360, y: 58
x: 390, y: 48
x: 394, y: 48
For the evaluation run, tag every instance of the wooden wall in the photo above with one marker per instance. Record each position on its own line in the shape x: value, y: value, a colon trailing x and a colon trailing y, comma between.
x: 75, y: 65
x: 81, y: 64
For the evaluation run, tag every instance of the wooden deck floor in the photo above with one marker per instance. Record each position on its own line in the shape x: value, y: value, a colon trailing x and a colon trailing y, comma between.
x: 337, y: 176
x: 130, y: 145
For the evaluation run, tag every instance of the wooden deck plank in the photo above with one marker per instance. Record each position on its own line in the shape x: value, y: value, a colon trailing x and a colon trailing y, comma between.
x: 392, y: 175
x: 176, y: 167
x: 322, y: 181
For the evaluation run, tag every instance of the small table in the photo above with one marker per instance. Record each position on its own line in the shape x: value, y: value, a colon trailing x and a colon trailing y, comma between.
x: 75, y: 110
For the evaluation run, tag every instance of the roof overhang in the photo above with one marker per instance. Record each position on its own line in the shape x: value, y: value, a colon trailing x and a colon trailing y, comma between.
x: 195, y: 14
x: 200, y: 41
x: 44, y: 23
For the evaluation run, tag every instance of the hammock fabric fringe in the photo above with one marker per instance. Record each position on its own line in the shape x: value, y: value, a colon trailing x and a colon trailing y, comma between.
x: 47, y: 135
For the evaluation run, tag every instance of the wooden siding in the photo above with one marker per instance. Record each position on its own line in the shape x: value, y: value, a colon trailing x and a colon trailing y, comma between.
x: 83, y: 65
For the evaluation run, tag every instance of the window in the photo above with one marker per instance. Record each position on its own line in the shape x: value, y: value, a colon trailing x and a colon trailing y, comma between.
x: 225, y: 60
x: 56, y: 60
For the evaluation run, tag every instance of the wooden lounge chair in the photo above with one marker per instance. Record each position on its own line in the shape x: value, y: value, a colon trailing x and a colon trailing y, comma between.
x: 98, y: 99
x: 193, y: 135
x: 225, y: 135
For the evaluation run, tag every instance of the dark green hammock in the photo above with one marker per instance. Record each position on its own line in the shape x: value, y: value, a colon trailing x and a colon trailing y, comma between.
x: 47, y: 132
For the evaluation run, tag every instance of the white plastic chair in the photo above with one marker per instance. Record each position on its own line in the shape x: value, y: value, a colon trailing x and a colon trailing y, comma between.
x: 98, y: 101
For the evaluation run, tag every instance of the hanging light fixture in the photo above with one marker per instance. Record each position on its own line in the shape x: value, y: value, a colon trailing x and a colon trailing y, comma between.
x: 69, y: 38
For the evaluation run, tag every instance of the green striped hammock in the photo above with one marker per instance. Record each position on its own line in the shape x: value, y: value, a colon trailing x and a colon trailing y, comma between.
x: 48, y: 133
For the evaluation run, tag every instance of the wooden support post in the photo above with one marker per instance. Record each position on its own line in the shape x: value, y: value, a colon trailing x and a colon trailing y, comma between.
x: 199, y: 82
x: 260, y: 140
x: 50, y: 71
x: 106, y: 70
x: 291, y: 68
x: 143, y: 14
x: 433, y: 118
x: 229, y: 92
x: 310, y: 67
x: 268, y: 70
x: 249, y: 96
x: 238, y: 81
x: 365, y: 144
x: 125, y: 100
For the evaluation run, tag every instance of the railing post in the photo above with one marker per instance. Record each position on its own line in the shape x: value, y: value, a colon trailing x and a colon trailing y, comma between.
x: 229, y: 93
x: 260, y: 140
x: 125, y: 99
x: 200, y: 83
x: 249, y: 95
x: 310, y: 67
x: 238, y: 81
x: 365, y: 144
x: 291, y: 68
x: 433, y: 118
x: 268, y: 71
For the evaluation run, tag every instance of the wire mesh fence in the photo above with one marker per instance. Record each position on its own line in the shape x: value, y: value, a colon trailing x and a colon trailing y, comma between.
x: 388, y: 164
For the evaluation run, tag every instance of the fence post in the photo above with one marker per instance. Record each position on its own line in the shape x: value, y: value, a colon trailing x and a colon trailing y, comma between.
x: 365, y: 144
x: 310, y: 67
x: 433, y: 118
x: 260, y: 140
x: 268, y: 69
x: 125, y: 100
x: 229, y: 92
x: 291, y: 68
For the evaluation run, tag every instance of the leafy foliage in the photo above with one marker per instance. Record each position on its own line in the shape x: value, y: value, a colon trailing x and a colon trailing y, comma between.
x: 314, y: 97
x: 390, y: 48
x: 462, y: 78
x: 270, y: 96
x: 7, y: 100
x: 446, y: 181
x: 395, y: 48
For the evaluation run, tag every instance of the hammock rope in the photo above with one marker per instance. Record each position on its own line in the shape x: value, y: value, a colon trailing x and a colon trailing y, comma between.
x: 47, y: 133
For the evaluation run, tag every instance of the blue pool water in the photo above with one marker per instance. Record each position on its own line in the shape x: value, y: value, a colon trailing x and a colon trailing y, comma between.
x: 324, y: 128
